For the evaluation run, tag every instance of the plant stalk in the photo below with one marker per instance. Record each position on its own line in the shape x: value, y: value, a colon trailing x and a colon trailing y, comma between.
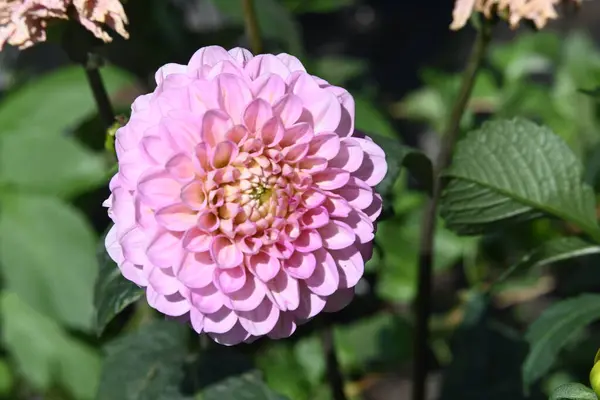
x: 334, y: 376
x: 103, y: 104
x: 426, y: 258
x: 252, y: 27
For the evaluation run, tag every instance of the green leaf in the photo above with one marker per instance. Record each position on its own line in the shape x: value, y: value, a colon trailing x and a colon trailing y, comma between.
x: 338, y: 70
x: 56, y: 102
x: 573, y: 391
x: 56, y: 165
x: 7, y: 378
x: 47, y: 253
x: 112, y: 292
x: 283, y: 372
x: 397, y: 156
x: 146, y: 364
x: 44, y: 353
x: 380, y: 340
x: 309, y: 354
x: 369, y: 119
x: 553, y: 330
x: 275, y: 21
x: 399, y: 243
x: 248, y: 386
x: 512, y: 171
x: 316, y: 6
x: 550, y: 252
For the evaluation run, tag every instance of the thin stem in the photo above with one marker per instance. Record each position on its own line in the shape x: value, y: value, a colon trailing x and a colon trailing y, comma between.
x: 336, y: 381
x: 103, y: 104
x: 252, y: 28
x: 423, y: 305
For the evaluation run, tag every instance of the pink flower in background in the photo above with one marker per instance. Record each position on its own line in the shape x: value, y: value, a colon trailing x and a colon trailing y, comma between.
x: 23, y: 22
x: 244, y: 198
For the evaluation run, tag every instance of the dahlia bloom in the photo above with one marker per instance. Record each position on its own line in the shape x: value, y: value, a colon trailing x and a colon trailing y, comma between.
x: 538, y: 11
x: 23, y: 22
x: 243, y: 201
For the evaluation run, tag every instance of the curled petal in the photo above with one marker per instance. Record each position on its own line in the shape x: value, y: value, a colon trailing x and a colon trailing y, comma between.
x: 325, y: 279
x: 260, y: 320
x: 337, y: 235
x: 221, y: 321
x: 196, y: 270
x: 225, y: 252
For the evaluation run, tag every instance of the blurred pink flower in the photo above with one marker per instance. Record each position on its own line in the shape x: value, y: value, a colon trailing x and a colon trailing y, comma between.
x: 538, y: 11
x: 244, y: 198
x: 23, y: 22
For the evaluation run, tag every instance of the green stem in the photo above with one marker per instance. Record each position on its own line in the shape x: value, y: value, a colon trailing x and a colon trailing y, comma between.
x: 252, y: 27
x: 334, y: 375
x: 425, y: 263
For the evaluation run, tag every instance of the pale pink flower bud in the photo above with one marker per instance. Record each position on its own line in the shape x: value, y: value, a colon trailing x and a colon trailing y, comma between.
x: 244, y: 199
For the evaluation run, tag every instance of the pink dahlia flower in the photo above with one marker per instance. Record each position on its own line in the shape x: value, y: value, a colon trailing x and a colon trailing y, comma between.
x: 244, y: 198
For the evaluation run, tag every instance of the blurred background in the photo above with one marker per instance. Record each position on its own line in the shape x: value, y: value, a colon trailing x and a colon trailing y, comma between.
x: 402, y: 64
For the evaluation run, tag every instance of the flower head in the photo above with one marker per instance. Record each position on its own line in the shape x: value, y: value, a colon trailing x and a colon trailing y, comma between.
x: 244, y: 198
x: 538, y: 11
x: 23, y: 22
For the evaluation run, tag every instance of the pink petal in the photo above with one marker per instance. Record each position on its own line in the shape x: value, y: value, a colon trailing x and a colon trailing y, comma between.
x: 350, y: 156
x: 180, y: 167
x: 225, y: 252
x: 372, y: 170
x: 312, y: 198
x: 315, y: 218
x: 197, y: 320
x: 310, y: 304
x: 272, y: 132
x: 164, y: 249
x: 337, y: 206
x: 220, y: 321
x: 194, y: 196
x: 169, y: 69
x: 249, y: 296
x: 156, y: 150
x: 264, y: 266
x: 325, y: 280
x: 308, y: 241
x: 291, y: 62
x: 337, y: 235
x: 332, y: 178
x: 209, y: 55
x: 260, y: 320
x: 235, y: 335
x: 176, y: 217
x: 224, y: 153
x: 284, y: 327
x: 215, y: 125
x: 360, y: 223
x: 256, y: 114
x: 207, y: 299
x: 266, y: 64
x: 133, y: 244
x: 183, y: 131
x: 134, y: 273
x: 208, y: 221
x: 174, y: 305
x: 339, y: 300
x: 289, y: 109
x: 326, y: 145
x: 234, y: 95
x: 300, y: 265
x: 374, y: 209
x: 269, y: 88
x: 164, y: 283
x: 284, y: 292
x: 323, y: 105
x: 196, y: 270
x: 231, y: 280
x: 357, y: 193
x: 196, y: 240
x: 158, y: 189
x: 351, y: 266
x: 240, y: 55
